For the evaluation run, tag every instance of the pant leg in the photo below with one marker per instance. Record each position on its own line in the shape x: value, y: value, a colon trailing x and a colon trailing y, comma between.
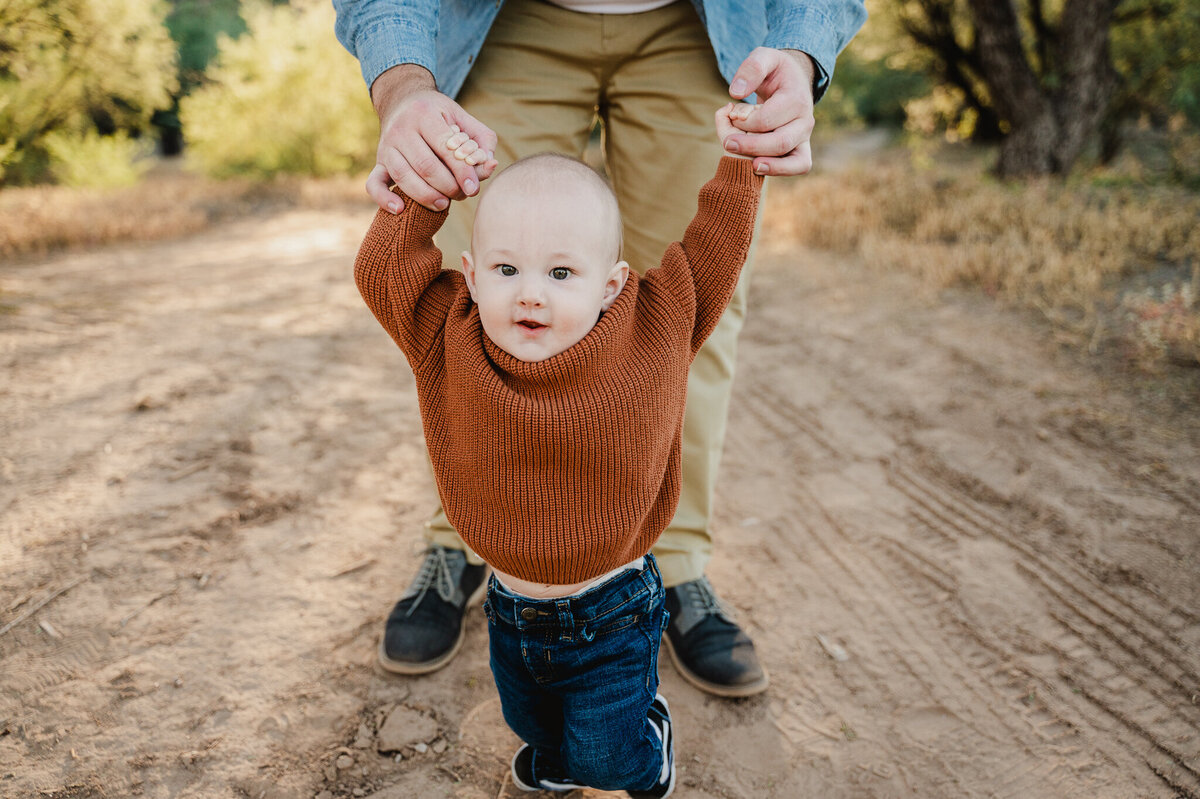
x: 530, y: 711
x: 660, y: 148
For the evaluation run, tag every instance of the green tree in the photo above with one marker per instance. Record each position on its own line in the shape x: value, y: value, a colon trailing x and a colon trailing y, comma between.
x: 283, y: 98
x: 77, y: 68
x: 1156, y: 50
x: 196, y: 26
x: 879, y: 73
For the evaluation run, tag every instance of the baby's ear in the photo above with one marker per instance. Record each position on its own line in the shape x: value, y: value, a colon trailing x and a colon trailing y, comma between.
x: 616, y: 281
x: 468, y: 269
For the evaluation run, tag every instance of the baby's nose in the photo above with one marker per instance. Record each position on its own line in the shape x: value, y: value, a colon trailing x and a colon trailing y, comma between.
x: 530, y: 294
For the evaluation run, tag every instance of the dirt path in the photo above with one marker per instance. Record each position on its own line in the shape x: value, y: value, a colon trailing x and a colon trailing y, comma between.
x: 970, y: 566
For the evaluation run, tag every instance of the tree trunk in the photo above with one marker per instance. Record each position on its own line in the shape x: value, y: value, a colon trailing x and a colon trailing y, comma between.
x: 1088, y: 77
x: 1047, y: 127
x: 1029, y: 146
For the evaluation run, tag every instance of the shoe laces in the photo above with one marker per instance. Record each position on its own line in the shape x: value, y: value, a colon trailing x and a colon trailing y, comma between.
x: 700, y: 596
x: 437, y: 573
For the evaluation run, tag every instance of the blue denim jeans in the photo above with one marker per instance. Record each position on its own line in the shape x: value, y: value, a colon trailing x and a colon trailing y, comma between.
x: 577, y: 675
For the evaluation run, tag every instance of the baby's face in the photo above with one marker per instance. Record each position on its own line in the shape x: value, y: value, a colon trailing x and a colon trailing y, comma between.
x: 542, y: 268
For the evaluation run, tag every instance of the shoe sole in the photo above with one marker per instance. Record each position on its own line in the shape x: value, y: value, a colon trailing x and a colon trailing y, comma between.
x: 716, y: 688
x: 430, y: 666
x: 512, y: 772
x: 512, y: 769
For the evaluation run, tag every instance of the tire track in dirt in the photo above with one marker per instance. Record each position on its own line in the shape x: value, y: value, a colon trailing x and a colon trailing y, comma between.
x: 1137, y: 635
x: 923, y: 672
x: 1148, y: 678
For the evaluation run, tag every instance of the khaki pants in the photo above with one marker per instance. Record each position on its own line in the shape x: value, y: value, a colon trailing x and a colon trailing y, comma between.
x: 541, y: 79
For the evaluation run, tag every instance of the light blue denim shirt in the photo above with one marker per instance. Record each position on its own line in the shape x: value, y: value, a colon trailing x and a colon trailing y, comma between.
x: 444, y: 36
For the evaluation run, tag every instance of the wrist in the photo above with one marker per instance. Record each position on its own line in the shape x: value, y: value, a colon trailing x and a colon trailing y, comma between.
x: 807, y: 66
x: 395, y: 84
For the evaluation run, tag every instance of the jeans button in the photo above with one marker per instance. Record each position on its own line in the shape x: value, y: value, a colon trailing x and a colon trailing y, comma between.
x: 528, y: 614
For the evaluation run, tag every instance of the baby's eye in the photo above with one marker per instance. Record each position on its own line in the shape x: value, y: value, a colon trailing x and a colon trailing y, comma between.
x: 508, y: 270
x: 560, y: 273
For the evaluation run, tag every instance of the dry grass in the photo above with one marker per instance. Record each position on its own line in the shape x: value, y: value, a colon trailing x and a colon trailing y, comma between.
x: 167, y: 204
x: 1104, y: 263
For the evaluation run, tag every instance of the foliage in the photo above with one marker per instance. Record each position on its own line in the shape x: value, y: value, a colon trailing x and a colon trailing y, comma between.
x: 285, y: 98
x: 879, y: 72
x: 94, y: 161
x: 196, y: 26
x: 871, y: 92
x: 75, y: 66
x: 1156, y: 48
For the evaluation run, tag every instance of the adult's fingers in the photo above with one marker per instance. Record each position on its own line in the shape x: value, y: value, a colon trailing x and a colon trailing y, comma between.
x: 429, y: 189
x: 775, y: 143
x: 752, y: 71
x: 378, y: 188
x: 797, y: 162
x: 776, y: 110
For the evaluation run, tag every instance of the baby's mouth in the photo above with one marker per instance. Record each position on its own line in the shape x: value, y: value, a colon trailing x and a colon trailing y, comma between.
x: 529, y: 324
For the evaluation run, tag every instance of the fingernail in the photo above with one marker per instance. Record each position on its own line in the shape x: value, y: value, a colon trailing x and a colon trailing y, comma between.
x: 440, y: 204
x: 394, y: 208
x: 738, y: 87
x: 732, y: 146
x: 761, y: 169
x: 470, y: 186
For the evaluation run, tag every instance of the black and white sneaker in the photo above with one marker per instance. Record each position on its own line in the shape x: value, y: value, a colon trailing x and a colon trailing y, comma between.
x: 524, y: 777
x: 660, y: 720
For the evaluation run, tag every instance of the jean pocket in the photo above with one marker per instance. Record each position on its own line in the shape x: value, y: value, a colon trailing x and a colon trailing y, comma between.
x: 607, y: 625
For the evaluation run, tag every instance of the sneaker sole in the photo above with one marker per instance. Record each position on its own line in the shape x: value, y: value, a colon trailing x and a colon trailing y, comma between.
x: 430, y: 666
x: 716, y: 688
x: 512, y: 772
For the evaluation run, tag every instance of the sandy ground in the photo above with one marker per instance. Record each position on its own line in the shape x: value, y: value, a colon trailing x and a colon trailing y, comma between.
x: 969, y: 561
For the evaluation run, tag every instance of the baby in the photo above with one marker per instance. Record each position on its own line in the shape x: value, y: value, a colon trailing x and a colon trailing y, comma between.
x: 551, y: 381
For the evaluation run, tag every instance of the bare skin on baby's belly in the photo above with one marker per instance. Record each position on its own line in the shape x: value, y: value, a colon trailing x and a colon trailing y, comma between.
x: 539, y: 590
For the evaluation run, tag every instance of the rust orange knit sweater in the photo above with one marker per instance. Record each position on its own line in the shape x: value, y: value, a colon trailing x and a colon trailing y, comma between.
x: 559, y: 470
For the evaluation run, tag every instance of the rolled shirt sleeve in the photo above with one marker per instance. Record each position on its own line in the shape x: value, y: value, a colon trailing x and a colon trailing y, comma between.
x: 821, y: 29
x: 382, y: 34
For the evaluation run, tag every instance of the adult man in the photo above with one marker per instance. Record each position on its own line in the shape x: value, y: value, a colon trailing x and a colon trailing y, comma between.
x: 530, y: 76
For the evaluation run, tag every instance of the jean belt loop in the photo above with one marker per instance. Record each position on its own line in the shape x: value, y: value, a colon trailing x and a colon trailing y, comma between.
x: 647, y: 575
x: 566, y: 620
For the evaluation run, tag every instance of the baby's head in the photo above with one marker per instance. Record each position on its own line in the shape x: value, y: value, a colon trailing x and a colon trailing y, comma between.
x: 545, y: 255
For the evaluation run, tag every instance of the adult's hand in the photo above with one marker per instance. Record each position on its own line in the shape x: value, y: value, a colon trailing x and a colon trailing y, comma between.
x: 414, y: 123
x: 777, y: 133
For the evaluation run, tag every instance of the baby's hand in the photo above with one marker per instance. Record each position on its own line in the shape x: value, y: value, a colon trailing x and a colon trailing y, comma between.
x: 731, y: 119
x: 466, y: 149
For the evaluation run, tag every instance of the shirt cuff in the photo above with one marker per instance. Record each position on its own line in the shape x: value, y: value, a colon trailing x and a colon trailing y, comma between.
x: 807, y: 30
x: 387, y: 44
